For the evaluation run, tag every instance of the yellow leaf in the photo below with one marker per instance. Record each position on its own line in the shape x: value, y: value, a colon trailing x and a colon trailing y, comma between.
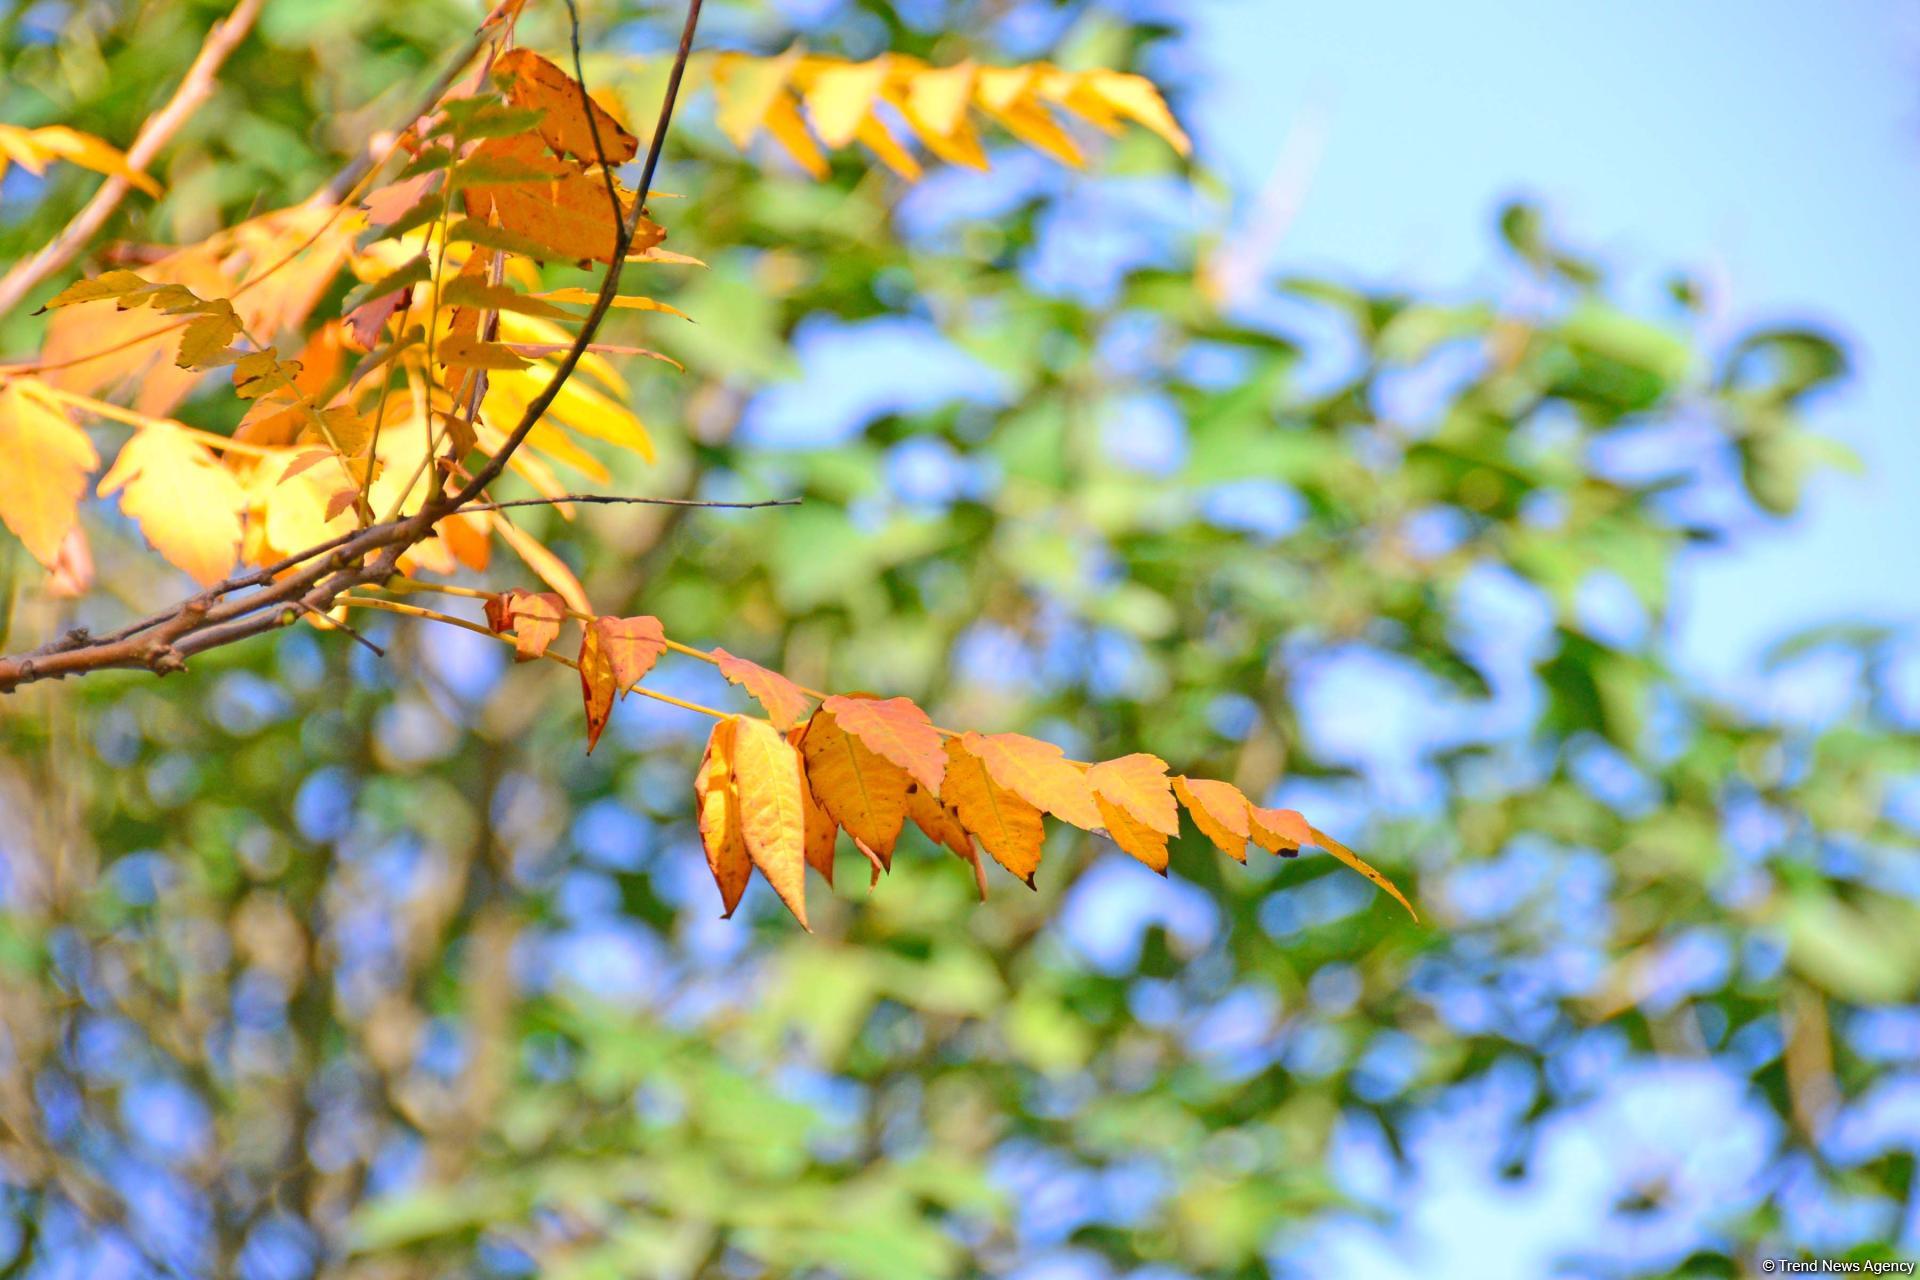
x: 822, y: 830
x: 1354, y: 860
x: 862, y: 790
x: 1219, y: 810
x: 939, y: 98
x: 1139, y: 785
x: 188, y: 505
x: 1008, y: 827
x: 746, y: 88
x: 719, y: 805
x: 773, y: 812
x: 790, y: 131
x: 32, y: 148
x: 621, y: 301
x: 1135, y: 97
x: 1132, y: 835
x: 44, y: 473
x: 1039, y: 773
x: 1280, y: 831
x: 880, y: 140
x: 552, y: 569
x: 840, y: 97
x: 632, y: 646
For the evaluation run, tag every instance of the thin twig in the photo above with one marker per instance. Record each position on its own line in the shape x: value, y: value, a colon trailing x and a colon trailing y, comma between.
x: 326, y: 621
x: 154, y: 134
x: 610, y: 499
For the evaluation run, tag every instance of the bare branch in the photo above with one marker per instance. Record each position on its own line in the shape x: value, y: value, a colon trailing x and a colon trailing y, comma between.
x: 611, y: 498
x: 154, y: 134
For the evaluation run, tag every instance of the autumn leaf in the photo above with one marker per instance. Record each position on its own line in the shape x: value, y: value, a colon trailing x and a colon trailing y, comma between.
x: 719, y: 805
x: 632, y: 646
x: 1039, y: 773
x: 1354, y: 860
x: 1220, y: 811
x: 569, y: 215
x: 597, y: 682
x: 861, y: 789
x: 533, y: 618
x: 897, y: 729
x: 773, y: 811
x: 1008, y: 827
x: 533, y: 82
x: 1280, y: 831
x: 822, y: 831
x: 1138, y: 784
x: 46, y: 462
x: 785, y: 705
x: 1133, y: 836
x: 31, y: 149
x: 188, y: 505
x: 943, y: 827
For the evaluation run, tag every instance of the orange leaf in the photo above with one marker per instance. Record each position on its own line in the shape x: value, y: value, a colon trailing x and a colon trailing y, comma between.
x: 534, y: 82
x: 786, y: 706
x: 1280, y: 831
x: 719, y: 805
x: 632, y: 646
x: 861, y: 789
x: 1132, y: 835
x: 1359, y: 864
x: 1139, y: 785
x: 597, y: 681
x: 773, y: 810
x: 569, y: 213
x: 1219, y: 810
x: 822, y: 830
x: 1039, y: 773
x: 47, y: 461
x: 533, y: 619
x: 896, y: 729
x: 1008, y: 827
x: 942, y: 827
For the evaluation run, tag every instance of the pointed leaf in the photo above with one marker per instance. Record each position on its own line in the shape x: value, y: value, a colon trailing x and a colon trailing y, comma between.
x: 533, y: 82
x: 47, y: 459
x: 861, y: 789
x: 773, y: 811
x: 785, y: 705
x: 1039, y: 773
x: 632, y: 646
x: 1280, y: 831
x: 188, y: 505
x: 719, y: 803
x: 1008, y: 827
x: 533, y: 618
x: 1220, y: 811
x: 896, y: 729
x: 822, y: 831
x: 597, y: 683
x: 1132, y: 835
x: 1359, y: 864
x: 1139, y: 785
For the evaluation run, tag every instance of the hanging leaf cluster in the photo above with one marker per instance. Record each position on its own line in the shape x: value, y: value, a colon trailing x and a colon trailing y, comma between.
x: 773, y: 793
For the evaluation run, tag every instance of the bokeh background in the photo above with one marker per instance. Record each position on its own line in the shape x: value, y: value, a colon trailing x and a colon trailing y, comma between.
x: 1496, y: 443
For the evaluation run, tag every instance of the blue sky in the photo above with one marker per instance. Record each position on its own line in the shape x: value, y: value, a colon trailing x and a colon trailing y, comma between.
x: 1774, y: 145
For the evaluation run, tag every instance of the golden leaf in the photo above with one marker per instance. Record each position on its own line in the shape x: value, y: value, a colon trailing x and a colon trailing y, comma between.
x: 785, y: 705
x: 532, y: 81
x: 860, y: 789
x: 773, y: 811
x: 1219, y: 810
x: 597, y: 682
x: 47, y: 460
x: 188, y: 505
x: 1007, y: 826
x: 1039, y: 773
x: 719, y: 806
x: 896, y: 729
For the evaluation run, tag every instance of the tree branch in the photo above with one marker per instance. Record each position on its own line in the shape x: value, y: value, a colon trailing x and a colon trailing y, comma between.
x: 221, y: 615
x: 154, y: 134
